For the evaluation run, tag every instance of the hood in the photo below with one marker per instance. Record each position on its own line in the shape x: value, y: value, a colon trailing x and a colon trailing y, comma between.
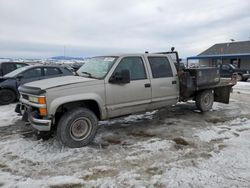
x: 58, y: 81
x: 246, y: 71
x: 3, y: 78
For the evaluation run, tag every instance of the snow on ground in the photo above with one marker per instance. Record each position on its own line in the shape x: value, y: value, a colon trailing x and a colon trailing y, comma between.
x: 7, y: 115
x: 175, y: 147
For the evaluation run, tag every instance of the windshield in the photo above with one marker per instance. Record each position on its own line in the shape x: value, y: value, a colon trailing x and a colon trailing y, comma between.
x: 16, y: 72
x: 232, y: 66
x: 96, y: 67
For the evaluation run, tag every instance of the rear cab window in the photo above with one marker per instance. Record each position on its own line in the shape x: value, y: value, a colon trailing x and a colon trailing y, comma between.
x: 160, y: 67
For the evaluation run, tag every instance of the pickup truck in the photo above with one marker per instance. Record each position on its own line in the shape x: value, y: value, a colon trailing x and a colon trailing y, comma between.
x: 227, y: 70
x: 113, y: 86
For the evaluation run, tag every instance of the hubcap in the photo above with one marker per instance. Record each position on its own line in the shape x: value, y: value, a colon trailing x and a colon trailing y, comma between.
x: 206, y: 100
x: 80, y: 129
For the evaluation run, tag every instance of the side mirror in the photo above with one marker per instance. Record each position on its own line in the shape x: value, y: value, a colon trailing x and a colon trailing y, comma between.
x: 19, y: 77
x: 122, y: 77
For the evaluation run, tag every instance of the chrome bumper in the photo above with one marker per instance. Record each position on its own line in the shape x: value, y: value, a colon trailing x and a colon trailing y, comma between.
x: 39, y: 124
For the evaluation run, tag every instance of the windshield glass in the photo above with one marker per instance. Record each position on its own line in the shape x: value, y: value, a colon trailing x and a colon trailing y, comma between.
x: 96, y: 67
x: 232, y: 66
x: 16, y: 72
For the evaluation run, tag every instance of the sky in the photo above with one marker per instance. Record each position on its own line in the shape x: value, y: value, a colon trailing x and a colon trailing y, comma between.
x: 44, y: 28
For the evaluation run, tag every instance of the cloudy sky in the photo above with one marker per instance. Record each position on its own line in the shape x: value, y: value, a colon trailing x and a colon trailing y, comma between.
x: 42, y: 28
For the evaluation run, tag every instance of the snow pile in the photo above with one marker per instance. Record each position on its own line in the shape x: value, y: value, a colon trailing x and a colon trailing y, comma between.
x: 7, y: 115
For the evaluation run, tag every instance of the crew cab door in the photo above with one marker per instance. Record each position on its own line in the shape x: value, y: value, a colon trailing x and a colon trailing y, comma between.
x: 164, y: 81
x: 127, y: 98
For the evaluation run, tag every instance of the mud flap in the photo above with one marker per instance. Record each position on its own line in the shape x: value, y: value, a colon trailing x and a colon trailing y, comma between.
x: 222, y: 94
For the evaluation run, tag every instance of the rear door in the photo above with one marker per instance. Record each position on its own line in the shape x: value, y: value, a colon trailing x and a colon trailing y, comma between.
x: 123, y: 99
x: 164, y: 81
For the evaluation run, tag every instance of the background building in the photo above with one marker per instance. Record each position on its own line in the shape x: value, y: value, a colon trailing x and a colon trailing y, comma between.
x: 236, y: 53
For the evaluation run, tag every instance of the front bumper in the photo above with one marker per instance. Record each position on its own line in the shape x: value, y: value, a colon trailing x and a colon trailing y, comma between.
x: 31, y: 117
x: 39, y: 124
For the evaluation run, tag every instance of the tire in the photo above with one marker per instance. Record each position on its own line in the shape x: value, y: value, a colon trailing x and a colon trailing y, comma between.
x: 7, y: 96
x: 204, y: 100
x: 239, y: 77
x: 77, y: 128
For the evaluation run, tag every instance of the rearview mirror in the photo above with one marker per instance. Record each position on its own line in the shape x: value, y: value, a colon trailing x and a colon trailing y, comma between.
x: 122, y: 77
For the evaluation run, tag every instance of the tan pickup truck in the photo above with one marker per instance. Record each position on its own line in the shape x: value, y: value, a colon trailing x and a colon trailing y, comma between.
x: 116, y: 85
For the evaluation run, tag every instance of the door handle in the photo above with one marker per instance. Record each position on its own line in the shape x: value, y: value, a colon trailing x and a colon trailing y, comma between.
x: 147, y: 85
x: 174, y: 82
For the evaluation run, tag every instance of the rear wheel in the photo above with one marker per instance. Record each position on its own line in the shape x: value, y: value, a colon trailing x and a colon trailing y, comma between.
x: 204, y: 100
x: 7, y: 96
x: 77, y: 128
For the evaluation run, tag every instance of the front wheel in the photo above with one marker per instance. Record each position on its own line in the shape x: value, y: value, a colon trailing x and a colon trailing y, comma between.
x: 77, y: 128
x: 204, y: 100
x: 7, y: 96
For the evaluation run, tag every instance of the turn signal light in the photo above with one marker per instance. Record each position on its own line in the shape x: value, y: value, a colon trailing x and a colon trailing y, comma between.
x: 42, y: 111
x: 41, y: 100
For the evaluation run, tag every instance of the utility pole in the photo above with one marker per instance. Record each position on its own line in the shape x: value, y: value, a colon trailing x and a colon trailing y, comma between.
x: 64, y: 51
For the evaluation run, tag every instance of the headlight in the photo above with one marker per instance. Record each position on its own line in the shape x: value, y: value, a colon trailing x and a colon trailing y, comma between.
x: 38, y: 100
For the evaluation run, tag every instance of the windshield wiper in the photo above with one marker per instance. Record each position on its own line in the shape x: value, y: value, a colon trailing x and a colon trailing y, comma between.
x: 89, y: 74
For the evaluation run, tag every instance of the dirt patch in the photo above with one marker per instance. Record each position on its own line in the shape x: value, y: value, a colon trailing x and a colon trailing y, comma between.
x: 113, y: 141
x: 78, y: 185
x: 142, y: 134
x: 180, y: 141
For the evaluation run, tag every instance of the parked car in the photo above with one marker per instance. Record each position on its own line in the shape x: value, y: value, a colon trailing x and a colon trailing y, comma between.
x: 227, y: 70
x: 10, y: 82
x: 113, y: 86
x: 7, y: 67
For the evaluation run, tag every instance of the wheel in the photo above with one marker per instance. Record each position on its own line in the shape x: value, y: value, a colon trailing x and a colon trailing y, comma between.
x: 204, y: 100
x: 239, y: 77
x: 77, y: 128
x: 7, y: 96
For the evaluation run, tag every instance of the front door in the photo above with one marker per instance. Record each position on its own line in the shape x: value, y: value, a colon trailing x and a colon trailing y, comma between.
x: 31, y: 75
x: 123, y: 99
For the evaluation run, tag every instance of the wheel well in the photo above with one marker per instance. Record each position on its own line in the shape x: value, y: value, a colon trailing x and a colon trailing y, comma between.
x: 11, y: 89
x: 90, y: 104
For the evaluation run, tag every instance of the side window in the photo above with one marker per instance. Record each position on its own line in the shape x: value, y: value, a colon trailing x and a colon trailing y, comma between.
x: 135, y: 66
x: 48, y: 71
x: 8, y: 67
x: 225, y: 67
x: 19, y: 65
x: 32, y: 73
x: 160, y: 67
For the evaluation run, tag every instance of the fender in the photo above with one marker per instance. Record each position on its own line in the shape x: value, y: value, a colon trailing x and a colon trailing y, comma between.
x: 54, y: 104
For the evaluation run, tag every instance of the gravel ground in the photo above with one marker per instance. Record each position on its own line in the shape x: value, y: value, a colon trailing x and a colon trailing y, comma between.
x: 174, y: 147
